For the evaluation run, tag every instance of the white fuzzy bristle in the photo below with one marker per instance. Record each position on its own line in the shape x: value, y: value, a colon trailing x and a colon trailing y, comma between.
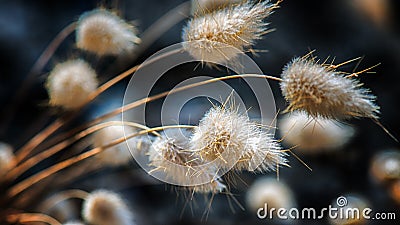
x: 321, y: 91
x: 201, y: 7
x: 171, y: 154
x: 7, y: 158
x: 102, y: 32
x: 70, y: 82
x: 104, y: 207
x: 313, y: 135
x: 225, y: 136
x: 385, y: 166
x: 221, y: 35
x: 116, y: 155
x: 276, y: 194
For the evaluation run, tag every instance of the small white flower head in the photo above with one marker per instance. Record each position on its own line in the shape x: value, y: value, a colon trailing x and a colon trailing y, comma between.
x: 268, y: 190
x: 7, y: 158
x: 104, y: 33
x: 201, y: 7
x: 116, y: 155
x: 104, y: 207
x: 322, y: 91
x: 229, y: 139
x: 352, y: 202
x: 171, y: 154
x: 70, y: 82
x: 385, y: 166
x: 222, y: 35
x: 313, y: 135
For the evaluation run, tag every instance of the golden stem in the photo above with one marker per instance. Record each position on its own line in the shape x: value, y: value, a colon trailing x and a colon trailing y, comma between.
x: 26, y: 218
x: 29, y: 163
x: 23, y: 185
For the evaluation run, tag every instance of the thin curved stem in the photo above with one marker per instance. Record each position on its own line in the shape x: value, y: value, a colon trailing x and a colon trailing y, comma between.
x: 23, y: 185
x: 29, y: 163
x: 26, y: 218
x: 163, y: 24
x: 62, y: 196
x: 159, y: 96
x: 25, y: 150
x: 37, y: 67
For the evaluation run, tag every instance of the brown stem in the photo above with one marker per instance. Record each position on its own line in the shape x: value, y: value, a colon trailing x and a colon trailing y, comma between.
x: 29, y: 163
x: 62, y: 196
x: 37, y: 67
x: 23, y: 185
x: 26, y: 218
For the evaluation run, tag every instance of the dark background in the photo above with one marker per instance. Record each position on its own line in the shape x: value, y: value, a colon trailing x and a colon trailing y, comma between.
x: 332, y: 27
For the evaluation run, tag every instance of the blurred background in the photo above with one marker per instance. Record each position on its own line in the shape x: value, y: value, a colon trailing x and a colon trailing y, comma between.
x: 344, y: 29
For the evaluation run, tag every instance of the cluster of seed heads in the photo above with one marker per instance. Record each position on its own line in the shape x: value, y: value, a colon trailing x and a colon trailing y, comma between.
x: 224, y: 139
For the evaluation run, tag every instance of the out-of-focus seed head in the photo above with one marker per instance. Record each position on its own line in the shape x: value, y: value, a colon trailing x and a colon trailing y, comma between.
x: 352, y: 202
x: 322, y: 91
x: 104, y: 207
x: 104, y: 33
x: 221, y: 35
x: 116, y: 155
x: 73, y: 223
x: 313, y: 134
x: 7, y: 158
x: 70, y: 82
x: 274, y: 193
x: 385, y: 166
x: 202, y: 7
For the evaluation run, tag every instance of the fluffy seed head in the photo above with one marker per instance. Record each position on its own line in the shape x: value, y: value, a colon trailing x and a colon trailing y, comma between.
x: 225, y: 136
x: 70, y: 82
x: 116, y: 155
x: 171, y: 154
x: 386, y: 166
x: 103, y: 32
x: 268, y: 190
x: 313, y: 135
x: 104, y: 207
x: 322, y: 91
x: 201, y: 7
x: 220, y: 36
x: 7, y: 158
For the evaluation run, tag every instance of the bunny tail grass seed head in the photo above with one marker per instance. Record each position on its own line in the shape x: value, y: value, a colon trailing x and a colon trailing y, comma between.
x: 70, y: 82
x: 116, y: 155
x: 385, y: 166
x: 313, y: 134
x: 171, y: 155
x: 221, y: 35
x: 320, y: 90
x: 225, y: 136
x: 268, y: 190
x: 103, y: 207
x: 202, y: 7
x: 7, y: 158
x: 104, y: 33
